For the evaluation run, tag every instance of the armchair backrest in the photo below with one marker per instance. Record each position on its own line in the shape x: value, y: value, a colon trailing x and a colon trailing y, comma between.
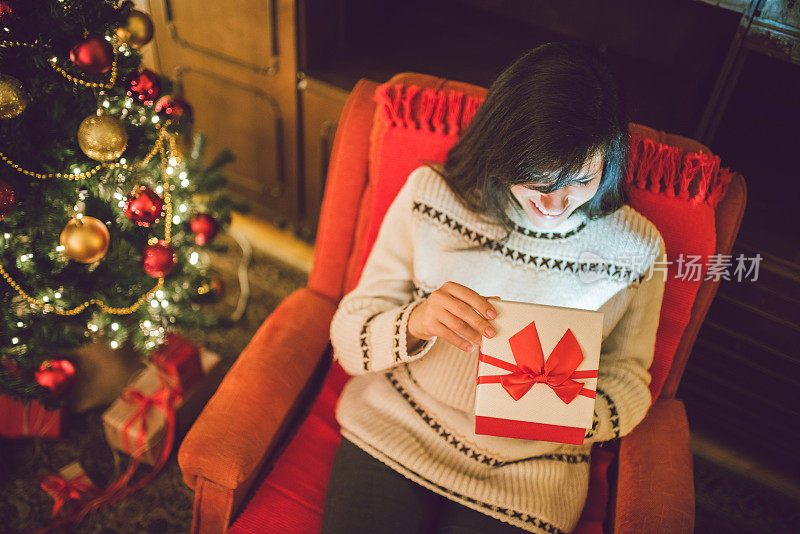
x: 386, y: 130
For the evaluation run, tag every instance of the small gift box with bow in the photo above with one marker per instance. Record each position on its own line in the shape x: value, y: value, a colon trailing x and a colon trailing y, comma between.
x: 537, y: 376
x: 138, y: 423
x: 70, y: 486
x: 178, y: 362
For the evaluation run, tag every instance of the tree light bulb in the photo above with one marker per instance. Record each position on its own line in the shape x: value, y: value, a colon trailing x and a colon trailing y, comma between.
x: 14, y: 340
x: 114, y: 344
x: 114, y: 326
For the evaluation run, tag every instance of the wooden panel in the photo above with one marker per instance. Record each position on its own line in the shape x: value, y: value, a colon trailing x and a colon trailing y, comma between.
x: 256, y: 134
x: 220, y: 29
x: 322, y: 105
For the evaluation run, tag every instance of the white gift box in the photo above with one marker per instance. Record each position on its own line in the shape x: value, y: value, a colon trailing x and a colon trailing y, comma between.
x: 536, y: 378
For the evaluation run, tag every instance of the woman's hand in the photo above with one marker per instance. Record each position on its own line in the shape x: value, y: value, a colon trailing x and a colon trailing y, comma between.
x: 450, y: 313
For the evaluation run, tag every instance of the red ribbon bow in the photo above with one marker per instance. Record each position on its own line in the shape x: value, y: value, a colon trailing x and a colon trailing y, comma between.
x: 557, y: 372
x: 163, y: 398
x: 64, y: 490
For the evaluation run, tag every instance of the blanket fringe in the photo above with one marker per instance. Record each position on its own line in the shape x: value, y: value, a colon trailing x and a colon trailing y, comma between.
x: 654, y: 167
x: 439, y: 112
x: 693, y: 176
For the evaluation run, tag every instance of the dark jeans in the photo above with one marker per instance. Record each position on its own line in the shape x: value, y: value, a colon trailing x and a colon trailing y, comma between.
x: 366, y: 496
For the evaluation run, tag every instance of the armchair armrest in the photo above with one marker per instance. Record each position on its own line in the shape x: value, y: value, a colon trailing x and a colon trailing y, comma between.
x: 227, y: 445
x: 655, y: 483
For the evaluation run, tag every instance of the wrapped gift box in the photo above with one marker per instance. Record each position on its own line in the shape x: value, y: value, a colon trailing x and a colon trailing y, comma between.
x: 537, y: 376
x: 71, y: 484
x: 20, y: 419
x: 178, y: 362
x: 122, y: 420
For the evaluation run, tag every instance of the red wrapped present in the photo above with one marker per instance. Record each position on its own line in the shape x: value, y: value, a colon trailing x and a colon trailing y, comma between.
x: 70, y: 485
x: 20, y: 419
x: 537, y: 376
x: 178, y: 362
x: 137, y: 422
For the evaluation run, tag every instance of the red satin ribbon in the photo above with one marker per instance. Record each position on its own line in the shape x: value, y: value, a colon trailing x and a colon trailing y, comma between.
x: 64, y: 490
x: 163, y: 398
x: 558, y: 372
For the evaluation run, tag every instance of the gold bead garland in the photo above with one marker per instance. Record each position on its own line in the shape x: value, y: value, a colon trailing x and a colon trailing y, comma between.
x: 161, y: 128
x: 112, y: 79
x: 79, y: 308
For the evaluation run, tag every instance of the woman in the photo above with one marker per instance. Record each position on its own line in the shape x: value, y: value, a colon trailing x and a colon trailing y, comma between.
x: 526, y: 201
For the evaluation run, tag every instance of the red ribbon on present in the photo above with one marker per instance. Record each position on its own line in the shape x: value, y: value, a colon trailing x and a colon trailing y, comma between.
x: 163, y: 398
x: 64, y: 490
x: 558, y: 372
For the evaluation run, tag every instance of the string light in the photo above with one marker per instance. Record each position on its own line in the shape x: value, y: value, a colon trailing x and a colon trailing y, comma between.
x: 114, y: 326
x: 114, y: 344
x: 14, y: 340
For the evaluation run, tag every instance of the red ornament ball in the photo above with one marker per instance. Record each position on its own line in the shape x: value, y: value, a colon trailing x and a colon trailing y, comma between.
x: 159, y: 259
x: 56, y: 375
x: 173, y: 107
x: 93, y: 56
x: 143, y: 206
x: 6, y: 199
x: 204, y: 227
x: 144, y: 86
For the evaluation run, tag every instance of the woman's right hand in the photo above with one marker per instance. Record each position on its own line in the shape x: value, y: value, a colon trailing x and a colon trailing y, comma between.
x: 450, y: 313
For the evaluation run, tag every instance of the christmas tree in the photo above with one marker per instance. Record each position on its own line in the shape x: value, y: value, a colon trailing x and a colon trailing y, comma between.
x: 105, y: 201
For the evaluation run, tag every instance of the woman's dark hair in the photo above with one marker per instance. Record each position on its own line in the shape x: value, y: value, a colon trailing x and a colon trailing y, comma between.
x: 542, y: 120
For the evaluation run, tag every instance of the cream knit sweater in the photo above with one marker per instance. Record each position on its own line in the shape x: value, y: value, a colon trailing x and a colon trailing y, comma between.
x: 414, y: 412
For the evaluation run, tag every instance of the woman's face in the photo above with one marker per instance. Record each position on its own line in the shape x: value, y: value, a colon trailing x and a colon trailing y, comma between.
x: 548, y: 210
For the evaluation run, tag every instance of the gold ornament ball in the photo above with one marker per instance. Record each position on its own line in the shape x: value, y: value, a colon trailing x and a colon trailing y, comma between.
x: 13, y: 99
x: 102, y: 137
x: 138, y: 31
x: 85, y: 240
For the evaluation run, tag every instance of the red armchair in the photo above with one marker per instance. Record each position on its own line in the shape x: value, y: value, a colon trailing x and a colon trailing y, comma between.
x: 234, y: 441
